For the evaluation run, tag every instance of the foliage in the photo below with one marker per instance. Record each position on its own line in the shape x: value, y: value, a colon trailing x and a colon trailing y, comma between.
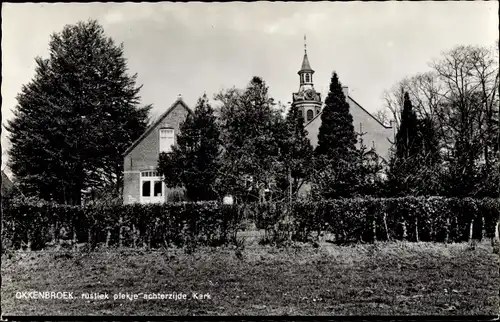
x: 295, y: 156
x: 403, y: 164
x: 194, y: 161
x: 36, y: 224
x: 250, y: 126
x: 459, y: 96
x: 335, y: 155
x: 369, y: 169
x: 76, y: 118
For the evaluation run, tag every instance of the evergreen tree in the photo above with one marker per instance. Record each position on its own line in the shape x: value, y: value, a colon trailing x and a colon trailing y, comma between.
x: 76, y: 118
x: 407, y: 136
x: 296, y: 155
x: 335, y: 154
x: 194, y: 160
x: 428, y: 160
x: 414, y: 155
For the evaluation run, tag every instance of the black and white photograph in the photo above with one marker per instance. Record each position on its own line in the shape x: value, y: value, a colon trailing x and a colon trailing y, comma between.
x: 250, y: 159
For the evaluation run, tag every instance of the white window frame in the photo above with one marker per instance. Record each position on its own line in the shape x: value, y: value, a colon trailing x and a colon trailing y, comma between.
x: 164, y: 135
x: 151, y: 177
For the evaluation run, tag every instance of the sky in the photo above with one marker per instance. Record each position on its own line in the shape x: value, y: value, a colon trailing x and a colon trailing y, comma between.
x: 195, y: 48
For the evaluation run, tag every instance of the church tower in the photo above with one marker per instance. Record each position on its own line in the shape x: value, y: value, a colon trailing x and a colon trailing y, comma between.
x: 307, y: 99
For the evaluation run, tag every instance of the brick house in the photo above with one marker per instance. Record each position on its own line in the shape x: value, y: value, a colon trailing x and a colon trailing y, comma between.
x: 141, y: 182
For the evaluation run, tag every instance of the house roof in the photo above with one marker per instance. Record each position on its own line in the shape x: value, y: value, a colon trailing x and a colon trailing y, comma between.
x: 361, y: 107
x: 178, y: 102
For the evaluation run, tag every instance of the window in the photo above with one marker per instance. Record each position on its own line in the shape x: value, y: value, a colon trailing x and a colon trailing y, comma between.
x: 149, y: 174
x: 152, y: 187
x: 146, y: 188
x: 307, y: 78
x: 302, y: 78
x: 301, y: 114
x: 157, y: 189
x: 166, y: 140
x: 310, y: 115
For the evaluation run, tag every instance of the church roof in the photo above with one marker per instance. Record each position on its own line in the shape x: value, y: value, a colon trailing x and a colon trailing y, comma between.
x: 349, y: 99
x: 305, y: 64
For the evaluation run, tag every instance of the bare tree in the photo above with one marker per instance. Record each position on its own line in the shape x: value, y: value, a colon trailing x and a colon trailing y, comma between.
x: 394, y: 99
x: 383, y: 115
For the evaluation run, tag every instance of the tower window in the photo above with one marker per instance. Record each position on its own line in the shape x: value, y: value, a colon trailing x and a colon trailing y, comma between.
x: 302, y: 78
x: 307, y: 78
x: 310, y: 115
x: 301, y: 114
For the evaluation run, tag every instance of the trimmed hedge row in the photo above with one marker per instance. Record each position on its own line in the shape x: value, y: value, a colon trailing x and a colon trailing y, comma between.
x: 36, y: 225
x: 409, y: 218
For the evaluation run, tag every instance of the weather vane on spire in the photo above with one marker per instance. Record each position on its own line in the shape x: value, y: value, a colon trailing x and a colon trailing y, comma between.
x: 305, y: 44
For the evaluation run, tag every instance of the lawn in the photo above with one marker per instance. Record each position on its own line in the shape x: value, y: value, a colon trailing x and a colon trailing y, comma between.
x: 380, y: 279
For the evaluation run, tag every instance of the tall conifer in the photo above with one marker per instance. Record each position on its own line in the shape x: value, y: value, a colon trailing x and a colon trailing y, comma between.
x: 336, y: 151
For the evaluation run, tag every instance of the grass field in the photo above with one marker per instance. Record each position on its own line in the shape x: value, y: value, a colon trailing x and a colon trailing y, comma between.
x: 380, y: 279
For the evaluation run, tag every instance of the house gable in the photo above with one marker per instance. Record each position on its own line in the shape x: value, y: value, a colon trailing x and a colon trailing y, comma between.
x: 144, y: 152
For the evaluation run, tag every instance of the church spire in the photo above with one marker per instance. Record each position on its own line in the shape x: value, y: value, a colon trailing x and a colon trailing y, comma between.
x: 307, y: 100
x: 306, y: 67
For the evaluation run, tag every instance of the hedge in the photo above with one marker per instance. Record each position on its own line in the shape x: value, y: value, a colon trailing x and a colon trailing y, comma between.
x: 36, y: 225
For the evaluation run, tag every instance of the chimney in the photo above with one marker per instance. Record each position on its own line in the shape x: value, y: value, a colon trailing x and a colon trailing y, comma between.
x: 345, y: 89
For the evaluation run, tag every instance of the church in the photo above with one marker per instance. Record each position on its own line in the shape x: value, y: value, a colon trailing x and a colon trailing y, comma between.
x: 310, y: 104
x: 142, y: 184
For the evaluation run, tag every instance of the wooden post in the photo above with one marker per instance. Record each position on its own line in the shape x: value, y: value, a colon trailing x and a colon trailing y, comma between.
x: 482, y: 229
x: 108, y: 237
x: 120, y: 230
x: 495, y: 239
x: 89, y: 237
x: 73, y: 237
x: 471, y: 230
x: 447, y: 230
x: 386, y: 228
x: 54, y: 233
x: 29, y: 235
x: 416, y: 230
x: 405, y: 232
x: 134, y: 236
x: 374, y: 229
